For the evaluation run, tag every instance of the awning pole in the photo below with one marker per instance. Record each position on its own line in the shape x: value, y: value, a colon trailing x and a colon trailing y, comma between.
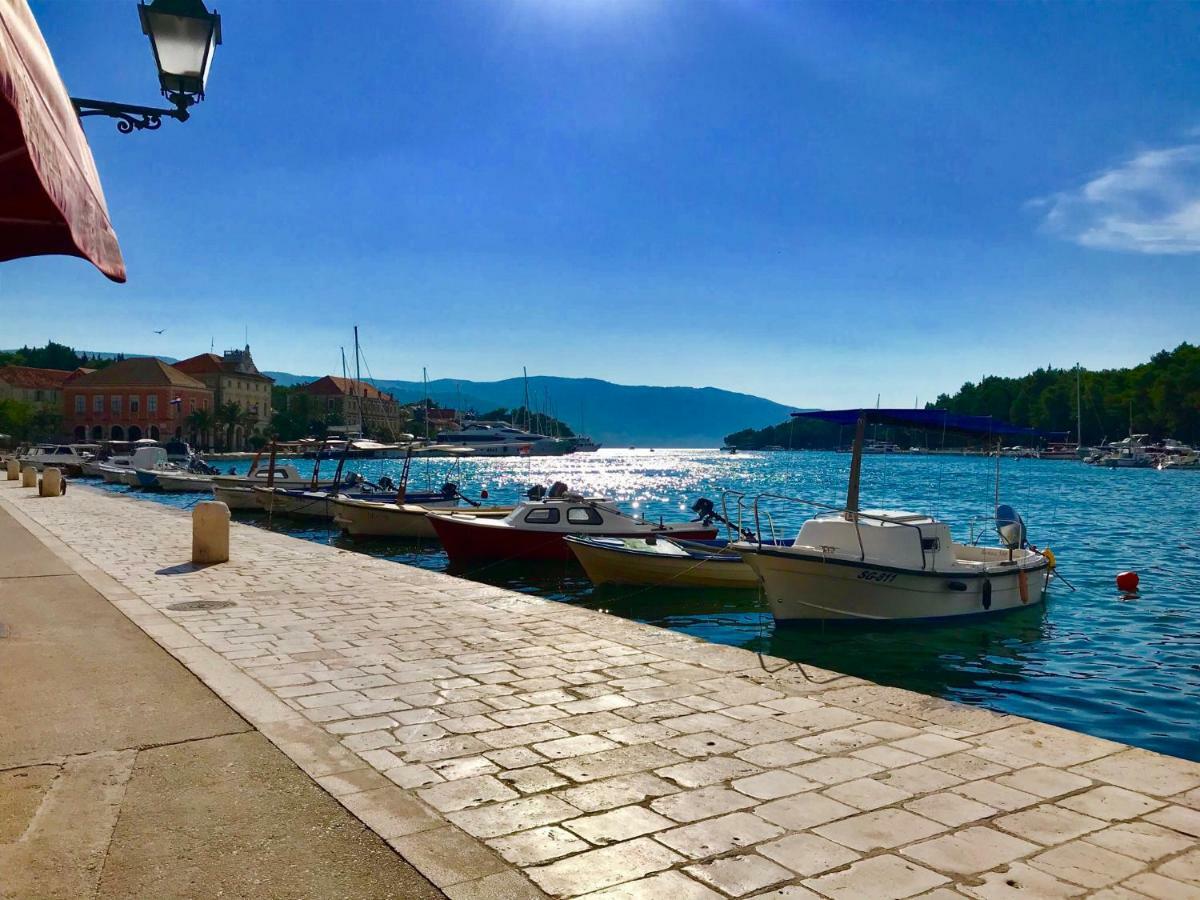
x: 860, y: 431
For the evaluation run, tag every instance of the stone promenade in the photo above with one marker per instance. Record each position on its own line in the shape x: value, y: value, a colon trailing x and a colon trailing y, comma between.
x: 509, y: 747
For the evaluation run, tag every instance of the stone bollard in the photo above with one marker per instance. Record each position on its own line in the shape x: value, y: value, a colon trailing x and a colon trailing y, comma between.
x: 210, y: 533
x: 28, y: 476
x: 14, y: 470
x: 51, y: 484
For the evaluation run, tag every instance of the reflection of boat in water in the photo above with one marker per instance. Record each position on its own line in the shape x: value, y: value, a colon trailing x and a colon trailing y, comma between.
x: 661, y: 561
x: 889, y: 564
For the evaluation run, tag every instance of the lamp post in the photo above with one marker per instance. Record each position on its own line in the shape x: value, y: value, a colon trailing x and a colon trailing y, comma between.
x: 183, y: 35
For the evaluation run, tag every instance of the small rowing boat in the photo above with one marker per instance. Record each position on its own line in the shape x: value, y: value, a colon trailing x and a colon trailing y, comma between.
x: 661, y: 562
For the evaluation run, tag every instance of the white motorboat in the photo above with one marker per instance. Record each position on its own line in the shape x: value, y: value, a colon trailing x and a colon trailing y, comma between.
x: 67, y: 457
x: 146, y: 459
x: 503, y: 439
x: 872, y: 565
x: 112, y: 453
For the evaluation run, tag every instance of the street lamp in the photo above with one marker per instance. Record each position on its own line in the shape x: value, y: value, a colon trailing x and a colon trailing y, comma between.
x: 183, y: 35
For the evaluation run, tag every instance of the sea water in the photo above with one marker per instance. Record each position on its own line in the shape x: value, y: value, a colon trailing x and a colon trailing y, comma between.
x: 1093, y: 659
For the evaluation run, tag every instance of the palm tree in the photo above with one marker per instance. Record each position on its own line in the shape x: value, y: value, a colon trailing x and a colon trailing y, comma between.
x: 201, y: 423
x: 247, y: 421
x: 228, y: 414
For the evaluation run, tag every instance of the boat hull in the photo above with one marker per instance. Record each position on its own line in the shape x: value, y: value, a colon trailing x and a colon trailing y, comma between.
x: 363, y: 519
x: 468, y: 541
x: 184, y: 484
x: 615, y: 565
x: 800, y: 588
x: 316, y: 505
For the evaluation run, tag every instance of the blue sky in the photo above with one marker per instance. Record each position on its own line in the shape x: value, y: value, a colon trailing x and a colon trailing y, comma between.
x: 811, y: 202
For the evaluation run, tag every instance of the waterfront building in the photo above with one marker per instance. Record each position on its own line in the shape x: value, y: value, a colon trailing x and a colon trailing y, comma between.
x: 132, y: 399
x: 334, y: 399
x: 234, y: 378
x: 40, y: 388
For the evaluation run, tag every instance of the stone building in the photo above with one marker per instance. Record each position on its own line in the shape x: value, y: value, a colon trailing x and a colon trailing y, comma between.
x: 337, y: 401
x: 234, y: 378
x: 40, y: 388
x: 132, y: 399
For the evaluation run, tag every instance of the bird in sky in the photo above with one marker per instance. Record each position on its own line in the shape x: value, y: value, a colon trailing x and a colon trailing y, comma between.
x: 160, y: 331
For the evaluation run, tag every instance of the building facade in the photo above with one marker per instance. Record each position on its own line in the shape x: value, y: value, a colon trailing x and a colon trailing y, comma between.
x: 344, y: 401
x: 40, y: 388
x: 234, y: 378
x: 130, y: 400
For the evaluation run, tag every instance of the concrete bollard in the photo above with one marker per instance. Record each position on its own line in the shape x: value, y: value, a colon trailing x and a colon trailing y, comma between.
x: 51, y: 484
x: 210, y: 533
x: 14, y: 470
x: 28, y: 476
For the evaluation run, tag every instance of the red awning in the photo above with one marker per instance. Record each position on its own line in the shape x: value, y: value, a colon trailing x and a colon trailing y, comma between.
x: 51, y: 200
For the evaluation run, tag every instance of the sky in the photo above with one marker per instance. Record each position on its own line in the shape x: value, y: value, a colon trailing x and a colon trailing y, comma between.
x: 819, y: 203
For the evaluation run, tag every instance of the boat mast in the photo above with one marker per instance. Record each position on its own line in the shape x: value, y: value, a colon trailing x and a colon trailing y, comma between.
x: 525, y: 374
x: 425, y: 381
x: 358, y: 383
x: 851, y: 513
x: 1078, y: 409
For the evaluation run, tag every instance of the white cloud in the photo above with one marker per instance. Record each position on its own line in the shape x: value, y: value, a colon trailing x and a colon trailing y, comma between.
x: 1150, y: 204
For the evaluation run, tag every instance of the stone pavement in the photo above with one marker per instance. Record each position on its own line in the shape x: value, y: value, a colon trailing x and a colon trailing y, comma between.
x: 121, y: 775
x: 508, y: 746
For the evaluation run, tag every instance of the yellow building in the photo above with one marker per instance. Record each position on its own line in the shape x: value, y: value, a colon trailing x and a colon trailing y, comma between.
x: 234, y: 378
x: 40, y: 388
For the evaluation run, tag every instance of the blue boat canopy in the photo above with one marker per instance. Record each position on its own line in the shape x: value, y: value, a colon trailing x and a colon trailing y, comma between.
x: 939, y: 419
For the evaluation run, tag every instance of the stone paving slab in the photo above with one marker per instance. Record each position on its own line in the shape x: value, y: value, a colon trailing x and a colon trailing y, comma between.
x: 509, y: 746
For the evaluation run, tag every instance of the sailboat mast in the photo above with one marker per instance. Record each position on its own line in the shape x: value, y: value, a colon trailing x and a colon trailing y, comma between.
x: 358, y: 382
x: 425, y: 381
x: 1078, y: 408
x: 525, y: 374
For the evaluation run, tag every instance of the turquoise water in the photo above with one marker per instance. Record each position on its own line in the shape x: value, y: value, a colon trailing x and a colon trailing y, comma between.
x: 1126, y: 668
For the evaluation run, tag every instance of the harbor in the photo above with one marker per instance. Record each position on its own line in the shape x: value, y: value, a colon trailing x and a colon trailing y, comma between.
x: 508, y: 745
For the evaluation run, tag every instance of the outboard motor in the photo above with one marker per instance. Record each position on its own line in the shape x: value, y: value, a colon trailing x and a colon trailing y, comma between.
x: 704, y: 510
x: 1010, y: 527
x: 536, y: 493
x: 558, y: 489
x: 449, y: 490
x: 386, y: 483
x: 352, y: 479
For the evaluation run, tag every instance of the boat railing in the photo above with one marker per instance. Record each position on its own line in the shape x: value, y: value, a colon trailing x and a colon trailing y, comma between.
x: 855, y: 517
x: 726, y: 494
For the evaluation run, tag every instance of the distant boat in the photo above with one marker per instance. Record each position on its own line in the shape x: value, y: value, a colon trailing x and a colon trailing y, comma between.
x: 503, y: 439
x: 583, y: 444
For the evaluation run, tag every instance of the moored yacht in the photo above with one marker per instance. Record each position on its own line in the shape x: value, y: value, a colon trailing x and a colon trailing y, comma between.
x: 67, y: 457
x: 503, y: 439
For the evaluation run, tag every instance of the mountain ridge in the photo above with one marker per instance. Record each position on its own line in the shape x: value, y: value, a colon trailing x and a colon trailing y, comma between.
x: 613, y: 414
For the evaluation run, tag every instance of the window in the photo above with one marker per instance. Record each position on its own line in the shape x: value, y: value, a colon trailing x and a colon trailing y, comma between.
x: 584, y: 515
x: 80, y: 404
x: 115, y: 403
x: 135, y: 403
x: 98, y: 403
x: 152, y: 403
x: 543, y: 515
x: 39, y: 395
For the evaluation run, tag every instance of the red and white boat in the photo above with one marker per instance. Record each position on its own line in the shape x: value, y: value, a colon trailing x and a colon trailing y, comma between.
x: 536, y: 528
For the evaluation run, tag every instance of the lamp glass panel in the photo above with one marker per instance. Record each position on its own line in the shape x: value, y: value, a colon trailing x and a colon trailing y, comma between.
x: 184, y: 48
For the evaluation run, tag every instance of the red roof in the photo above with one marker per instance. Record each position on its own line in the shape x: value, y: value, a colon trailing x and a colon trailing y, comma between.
x: 138, y: 371
x: 29, y: 377
x: 52, y: 201
x: 331, y: 385
x: 199, y: 365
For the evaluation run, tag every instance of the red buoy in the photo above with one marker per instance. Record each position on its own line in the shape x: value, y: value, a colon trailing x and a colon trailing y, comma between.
x: 1127, y: 582
x: 483, y: 495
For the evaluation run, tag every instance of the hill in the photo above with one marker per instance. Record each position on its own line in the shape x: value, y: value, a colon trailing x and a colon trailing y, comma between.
x: 616, y: 415
x: 1160, y: 397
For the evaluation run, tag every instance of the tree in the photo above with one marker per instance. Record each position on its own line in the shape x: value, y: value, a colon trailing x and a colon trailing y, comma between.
x: 201, y: 423
x: 228, y: 415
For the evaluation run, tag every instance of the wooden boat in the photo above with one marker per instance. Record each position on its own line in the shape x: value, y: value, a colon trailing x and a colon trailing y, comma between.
x: 317, y: 503
x: 536, y: 528
x: 367, y: 518
x: 872, y: 565
x: 663, y: 562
